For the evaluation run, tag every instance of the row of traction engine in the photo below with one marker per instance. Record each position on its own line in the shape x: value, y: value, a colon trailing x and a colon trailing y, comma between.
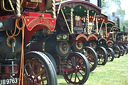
x: 41, y: 39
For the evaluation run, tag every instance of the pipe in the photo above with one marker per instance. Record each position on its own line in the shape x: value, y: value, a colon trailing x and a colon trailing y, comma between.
x: 87, y: 0
x: 99, y: 4
x: 118, y: 22
x: 123, y: 28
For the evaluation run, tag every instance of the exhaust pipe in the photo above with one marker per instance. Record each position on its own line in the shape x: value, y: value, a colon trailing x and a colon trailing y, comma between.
x: 118, y: 22
x: 99, y: 3
x: 87, y: 0
x: 123, y: 28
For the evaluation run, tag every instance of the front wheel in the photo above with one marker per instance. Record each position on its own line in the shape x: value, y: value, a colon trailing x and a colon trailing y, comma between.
x: 91, y: 55
x: 110, y: 54
x: 102, y: 55
x: 122, y: 50
x: 39, y: 70
x: 79, y: 70
x: 126, y: 49
x: 117, y: 52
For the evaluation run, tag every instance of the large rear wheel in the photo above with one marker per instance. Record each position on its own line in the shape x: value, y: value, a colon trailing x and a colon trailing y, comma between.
x: 91, y: 55
x: 102, y: 55
x: 77, y: 69
x: 39, y: 70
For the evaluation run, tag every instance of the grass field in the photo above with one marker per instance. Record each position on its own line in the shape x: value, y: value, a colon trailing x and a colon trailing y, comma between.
x: 113, y: 73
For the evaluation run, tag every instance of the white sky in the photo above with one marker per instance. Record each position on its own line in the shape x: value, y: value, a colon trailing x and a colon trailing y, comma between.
x: 124, y: 6
x: 94, y: 1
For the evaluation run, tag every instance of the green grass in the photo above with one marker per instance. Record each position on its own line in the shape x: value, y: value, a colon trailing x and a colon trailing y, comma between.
x: 113, y: 73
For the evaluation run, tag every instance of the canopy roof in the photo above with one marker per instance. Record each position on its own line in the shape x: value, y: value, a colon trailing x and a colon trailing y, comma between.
x: 102, y: 17
x: 80, y: 7
x: 110, y: 24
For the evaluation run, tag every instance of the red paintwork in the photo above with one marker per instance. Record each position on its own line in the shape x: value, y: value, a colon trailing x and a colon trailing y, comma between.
x: 5, y: 17
x: 82, y: 37
x: 92, y: 37
x: 120, y: 42
x: 34, y: 22
x: 67, y: 69
x: 108, y: 36
x: 35, y: 14
x: 109, y: 41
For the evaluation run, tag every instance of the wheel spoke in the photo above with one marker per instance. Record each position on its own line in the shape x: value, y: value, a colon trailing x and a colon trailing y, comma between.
x: 38, y: 69
x: 42, y: 80
x: 32, y: 67
x: 31, y: 70
x: 81, y: 73
x: 71, y: 76
x: 77, y: 60
x: 38, y: 74
x: 69, y: 73
x: 83, y: 69
x: 77, y: 77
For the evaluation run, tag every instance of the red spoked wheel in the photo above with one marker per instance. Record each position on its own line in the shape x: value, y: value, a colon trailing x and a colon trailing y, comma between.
x: 92, y: 57
x: 77, y: 71
x: 39, y: 69
x: 102, y: 55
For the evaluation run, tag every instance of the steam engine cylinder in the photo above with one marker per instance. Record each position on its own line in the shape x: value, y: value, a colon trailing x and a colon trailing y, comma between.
x: 52, y: 46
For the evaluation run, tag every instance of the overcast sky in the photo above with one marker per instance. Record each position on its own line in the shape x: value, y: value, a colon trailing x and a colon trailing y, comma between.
x: 124, y: 6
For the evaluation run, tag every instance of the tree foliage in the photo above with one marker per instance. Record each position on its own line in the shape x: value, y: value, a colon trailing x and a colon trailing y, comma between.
x: 119, y: 12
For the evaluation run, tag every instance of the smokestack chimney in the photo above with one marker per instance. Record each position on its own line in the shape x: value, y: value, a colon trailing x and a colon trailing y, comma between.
x: 118, y: 22
x: 99, y: 3
x: 123, y: 28
x: 87, y: 0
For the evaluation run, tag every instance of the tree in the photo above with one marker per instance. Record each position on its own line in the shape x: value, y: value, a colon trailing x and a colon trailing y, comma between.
x: 126, y: 25
x: 107, y: 7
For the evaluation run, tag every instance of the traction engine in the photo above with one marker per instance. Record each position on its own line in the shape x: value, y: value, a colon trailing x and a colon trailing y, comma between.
x: 19, y: 20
